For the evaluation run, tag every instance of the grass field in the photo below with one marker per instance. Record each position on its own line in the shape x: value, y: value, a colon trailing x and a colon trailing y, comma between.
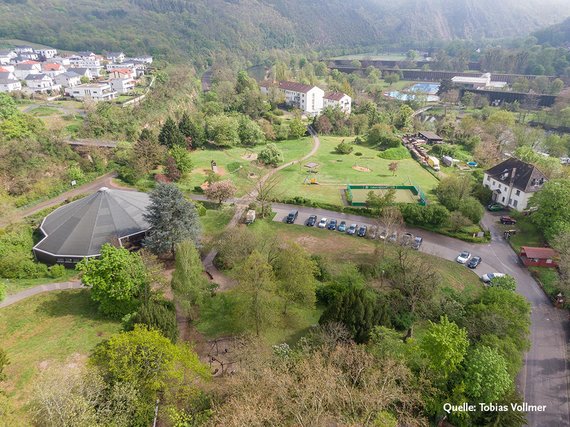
x: 234, y: 164
x: 401, y: 196
x: 16, y: 285
x: 335, y: 171
x: 59, y: 327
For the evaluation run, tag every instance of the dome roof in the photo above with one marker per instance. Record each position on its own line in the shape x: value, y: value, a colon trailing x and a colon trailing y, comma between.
x: 80, y: 228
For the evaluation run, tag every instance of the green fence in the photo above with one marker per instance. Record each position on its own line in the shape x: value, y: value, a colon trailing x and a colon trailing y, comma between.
x: 414, y: 189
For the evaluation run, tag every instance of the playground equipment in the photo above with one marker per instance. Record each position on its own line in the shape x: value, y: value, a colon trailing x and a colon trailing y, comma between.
x: 214, y: 166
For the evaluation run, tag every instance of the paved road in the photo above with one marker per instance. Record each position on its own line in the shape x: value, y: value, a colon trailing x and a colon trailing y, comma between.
x: 544, y: 378
x: 12, y: 299
x: 103, y: 181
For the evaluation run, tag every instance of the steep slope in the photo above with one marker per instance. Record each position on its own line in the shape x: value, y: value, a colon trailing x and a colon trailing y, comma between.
x: 555, y: 35
x: 189, y: 27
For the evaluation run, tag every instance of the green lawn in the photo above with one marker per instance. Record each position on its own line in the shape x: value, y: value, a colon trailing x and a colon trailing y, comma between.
x: 59, y: 327
x: 527, y: 233
x: 45, y: 111
x: 549, y: 279
x: 233, y: 163
x: 16, y: 285
x: 337, y: 170
x: 215, y: 221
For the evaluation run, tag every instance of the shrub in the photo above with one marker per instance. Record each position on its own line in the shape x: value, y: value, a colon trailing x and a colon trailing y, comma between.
x: 156, y: 314
x: 200, y: 208
x: 2, y: 291
x: 396, y: 153
x: 344, y: 148
x: 472, y: 209
x: 271, y: 155
x: 358, y: 153
x: 57, y: 271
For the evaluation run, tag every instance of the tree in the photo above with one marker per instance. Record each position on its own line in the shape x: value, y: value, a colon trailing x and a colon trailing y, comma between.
x: 156, y: 313
x: 297, y: 128
x: 562, y: 244
x: 172, y: 219
x: 506, y: 282
x: 188, y: 281
x: 182, y: 159
x: 116, y: 280
x: 193, y: 130
x: 444, y: 345
x: 453, y: 189
x: 295, y: 273
x: 379, y: 201
x: 344, y: 147
x: 270, y: 155
x: 457, y: 221
x: 486, y: 375
x: 4, y: 361
x: 471, y: 208
x: 2, y: 291
x: 249, y: 132
x: 223, y: 130
x: 221, y: 191
x: 403, y: 119
x: 170, y: 134
x: 553, y: 215
x: 172, y: 171
x: 8, y: 106
x: 381, y: 136
x: 186, y: 127
x: 256, y: 284
x: 393, y: 167
x: 265, y: 192
x: 147, y: 154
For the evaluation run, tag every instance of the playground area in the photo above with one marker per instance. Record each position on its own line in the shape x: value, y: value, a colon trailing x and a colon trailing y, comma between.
x: 324, y: 177
x: 357, y: 194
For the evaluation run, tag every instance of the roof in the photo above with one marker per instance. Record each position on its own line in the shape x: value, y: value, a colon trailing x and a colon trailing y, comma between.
x: 80, y: 228
x: 114, y: 54
x: 123, y: 70
x: 30, y: 62
x: 51, y: 66
x: 431, y: 135
x: 70, y: 74
x: 22, y: 66
x: 8, y: 81
x: 528, y: 178
x: 335, y: 96
x: 539, y: 253
x: 472, y: 80
x: 79, y: 71
x: 295, y: 87
x: 40, y: 76
x: 4, y: 70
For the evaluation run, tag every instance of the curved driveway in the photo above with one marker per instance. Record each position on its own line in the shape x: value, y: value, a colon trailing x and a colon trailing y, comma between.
x: 544, y: 377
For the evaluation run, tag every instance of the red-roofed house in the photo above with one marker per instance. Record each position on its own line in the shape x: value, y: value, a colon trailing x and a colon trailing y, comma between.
x: 53, y: 69
x: 122, y: 73
x: 338, y: 100
x: 539, y: 257
x: 309, y: 99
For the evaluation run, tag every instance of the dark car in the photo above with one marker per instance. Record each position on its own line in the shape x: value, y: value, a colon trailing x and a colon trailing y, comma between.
x: 332, y: 224
x: 352, y: 229
x: 474, y: 262
x: 495, y: 207
x: 311, y: 221
x: 507, y: 220
x: 292, y: 217
x: 417, y: 242
x: 342, y: 226
x: 362, y: 231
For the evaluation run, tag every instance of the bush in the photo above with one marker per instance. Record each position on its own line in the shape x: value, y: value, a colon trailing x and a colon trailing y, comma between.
x: 200, y: 208
x: 396, y: 153
x: 2, y: 291
x: 344, y: 148
x: 358, y: 153
x: 270, y: 155
x: 156, y: 314
x: 432, y: 215
x: 57, y: 271
x: 472, y: 209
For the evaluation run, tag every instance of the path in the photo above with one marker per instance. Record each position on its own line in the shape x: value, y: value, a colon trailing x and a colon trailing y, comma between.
x: 26, y: 293
x: 544, y: 377
x: 103, y: 181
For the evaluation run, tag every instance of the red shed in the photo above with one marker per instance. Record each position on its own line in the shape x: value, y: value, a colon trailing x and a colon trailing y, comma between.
x: 539, y: 257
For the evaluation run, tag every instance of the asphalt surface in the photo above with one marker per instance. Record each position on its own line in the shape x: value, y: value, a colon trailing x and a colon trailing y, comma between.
x: 544, y: 377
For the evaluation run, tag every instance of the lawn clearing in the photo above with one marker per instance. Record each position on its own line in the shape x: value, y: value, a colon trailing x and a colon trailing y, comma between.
x: 16, y: 285
x: 57, y: 327
x: 238, y: 163
x: 335, y: 171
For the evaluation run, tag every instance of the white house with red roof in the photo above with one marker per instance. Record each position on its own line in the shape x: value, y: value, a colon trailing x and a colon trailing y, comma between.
x: 307, y: 98
x: 53, y: 69
x: 122, y: 73
x: 338, y: 100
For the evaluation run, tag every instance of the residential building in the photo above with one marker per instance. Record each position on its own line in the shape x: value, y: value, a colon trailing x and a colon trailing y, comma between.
x: 122, y: 66
x: 94, y: 92
x: 513, y: 182
x: 63, y: 60
x: 539, y: 257
x: 122, y: 73
x: 68, y: 79
x: 116, y: 57
x: 9, y: 85
x: 87, y: 60
x: 46, y: 53
x: 24, y: 49
x: 53, y: 69
x: 81, y: 72
x: 21, y: 71
x: 28, y: 56
x: 309, y: 99
x: 338, y: 100
x: 40, y: 83
x: 6, y: 56
x: 483, y: 82
x: 122, y: 86
x: 145, y: 59
x: 7, y: 74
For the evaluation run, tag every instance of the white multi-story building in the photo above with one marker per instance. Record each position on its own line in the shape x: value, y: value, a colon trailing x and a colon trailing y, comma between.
x: 6, y: 56
x: 10, y: 85
x: 309, y: 99
x: 46, y: 53
x: 40, y: 83
x: 53, y: 69
x: 82, y: 72
x: 116, y: 57
x: 87, y: 60
x: 122, y: 85
x: 513, y: 183
x: 24, y: 69
x: 146, y: 59
x: 24, y: 49
x: 94, y: 92
x: 338, y: 100
x: 68, y: 79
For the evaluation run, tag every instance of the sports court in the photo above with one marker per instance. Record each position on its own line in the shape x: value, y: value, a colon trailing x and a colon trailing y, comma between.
x: 357, y: 194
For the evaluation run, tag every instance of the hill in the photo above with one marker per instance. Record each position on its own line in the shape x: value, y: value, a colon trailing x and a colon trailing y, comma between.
x: 555, y: 35
x: 172, y: 27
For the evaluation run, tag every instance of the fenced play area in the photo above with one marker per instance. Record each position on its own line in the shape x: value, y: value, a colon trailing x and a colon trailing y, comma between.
x: 356, y: 194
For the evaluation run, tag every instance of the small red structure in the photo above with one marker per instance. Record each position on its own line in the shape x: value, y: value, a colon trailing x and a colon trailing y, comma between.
x: 539, y: 257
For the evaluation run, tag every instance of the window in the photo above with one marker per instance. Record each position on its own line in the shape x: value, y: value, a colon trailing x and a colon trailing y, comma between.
x: 488, y: 178
x: 518, y: 193
x: 515, y: 203
x: 503, y: 199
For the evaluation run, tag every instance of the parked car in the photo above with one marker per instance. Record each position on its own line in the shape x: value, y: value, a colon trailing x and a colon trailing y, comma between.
x: 352, y: 229
x: 373, y: 233
x: 463, y: 257
x: 474, y: 262
x: 322, y: 223
x: 332, y: 224
x: 311, y: 221
x: 407, y: 239
x: 393, y: 237
x: 342, y: 226
x: 490, y: 276
x: 383, y: 234
x: 250, y: 216
x: 362, y: 231
x: 495, y: 207
x: 417, y: 243
x: 507, y: 220
x: 292, y: 217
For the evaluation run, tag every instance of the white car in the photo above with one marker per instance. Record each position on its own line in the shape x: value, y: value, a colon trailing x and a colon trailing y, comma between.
x: 490, y: 276
x: 322, y: 223
x: 463, y: 257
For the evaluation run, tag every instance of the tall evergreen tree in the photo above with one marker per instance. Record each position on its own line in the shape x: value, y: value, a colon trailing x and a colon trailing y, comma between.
x: 172, y: 218
x: 188, y: 281
x: 170, y: 135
